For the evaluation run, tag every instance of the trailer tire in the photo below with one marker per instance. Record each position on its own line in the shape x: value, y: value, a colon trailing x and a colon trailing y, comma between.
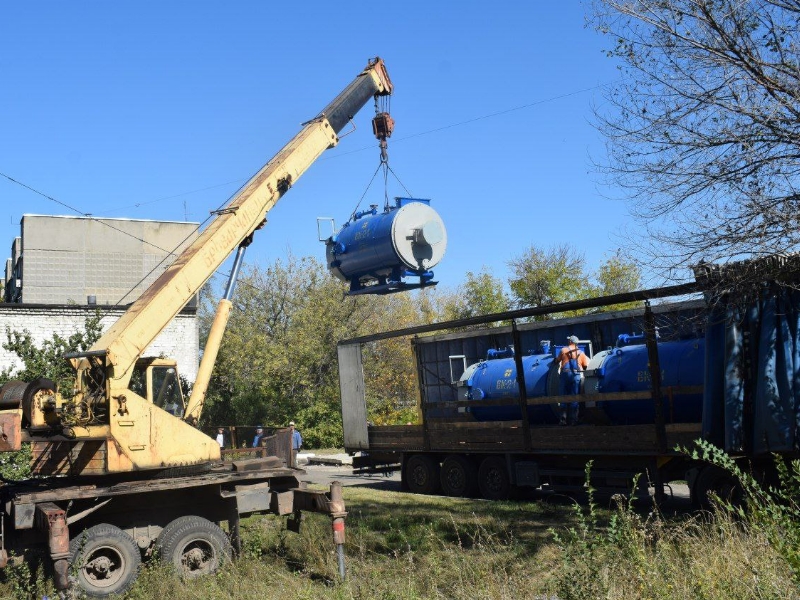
x: 720, y: 483
x: 194, y: 546
x: 422, y: 474
x: 493, y: 479
x: 459, y: 477
x: 105, y: 559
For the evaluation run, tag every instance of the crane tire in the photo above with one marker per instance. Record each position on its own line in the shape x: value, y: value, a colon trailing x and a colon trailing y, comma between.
x: 194, y: 546
x: 105, y: 560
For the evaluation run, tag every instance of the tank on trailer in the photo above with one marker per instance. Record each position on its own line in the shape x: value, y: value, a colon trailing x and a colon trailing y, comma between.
x: 624, y: 368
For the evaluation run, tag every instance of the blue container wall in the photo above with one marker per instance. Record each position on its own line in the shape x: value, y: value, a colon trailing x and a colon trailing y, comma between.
x: 626, y: 370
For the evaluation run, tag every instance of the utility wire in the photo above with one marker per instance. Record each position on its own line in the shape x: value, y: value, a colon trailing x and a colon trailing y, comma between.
x: 473, y: 120
x: 388, y: 169
x: 168, y: 253
x: 354, y: 151
x: 189, y: 193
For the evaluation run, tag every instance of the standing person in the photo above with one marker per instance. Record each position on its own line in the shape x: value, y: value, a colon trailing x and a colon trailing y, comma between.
x: 221, y: 437
x: 259, y: 435
x: 572, y: 362
x: 297, y: 442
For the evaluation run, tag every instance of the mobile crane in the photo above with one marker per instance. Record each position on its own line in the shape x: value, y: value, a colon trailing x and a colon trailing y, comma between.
x: 99, y: 448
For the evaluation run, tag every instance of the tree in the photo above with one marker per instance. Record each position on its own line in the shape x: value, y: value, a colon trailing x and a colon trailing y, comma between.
x: 703, y: 126
x: 278, y: 359
x: 480, y: 294
x: 543, y: 277
x: 616, y: 276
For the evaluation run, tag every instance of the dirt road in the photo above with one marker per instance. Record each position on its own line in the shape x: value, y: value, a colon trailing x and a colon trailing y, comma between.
x: 324, y: 474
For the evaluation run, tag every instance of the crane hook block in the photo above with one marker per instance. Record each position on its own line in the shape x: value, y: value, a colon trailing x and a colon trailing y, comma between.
x: 382, y: 125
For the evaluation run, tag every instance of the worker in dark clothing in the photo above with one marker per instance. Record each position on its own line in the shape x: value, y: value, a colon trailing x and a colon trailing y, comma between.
x: 297, y: 442
x: 572, y: 362
x: 259, y: 435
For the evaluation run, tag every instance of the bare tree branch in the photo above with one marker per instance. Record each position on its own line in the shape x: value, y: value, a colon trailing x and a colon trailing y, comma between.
x: 703, y: 129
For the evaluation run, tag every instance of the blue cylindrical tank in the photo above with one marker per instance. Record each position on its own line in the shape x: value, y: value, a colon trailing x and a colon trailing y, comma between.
x: 497, y: 378
x: 625, y: 369
x: 621, y: 369
x: 375, y: 251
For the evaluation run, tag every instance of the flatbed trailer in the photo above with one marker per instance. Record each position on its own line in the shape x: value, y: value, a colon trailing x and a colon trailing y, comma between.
x: 449, y: 450
x: 492, y: 459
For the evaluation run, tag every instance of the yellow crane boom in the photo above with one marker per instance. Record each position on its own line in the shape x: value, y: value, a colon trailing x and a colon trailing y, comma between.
x: 110, y: 423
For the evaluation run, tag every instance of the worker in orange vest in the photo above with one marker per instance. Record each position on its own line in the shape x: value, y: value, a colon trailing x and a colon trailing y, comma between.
x: 572, y: 362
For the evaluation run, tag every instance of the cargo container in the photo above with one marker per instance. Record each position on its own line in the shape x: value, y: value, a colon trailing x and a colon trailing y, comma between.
x: 719, y: 368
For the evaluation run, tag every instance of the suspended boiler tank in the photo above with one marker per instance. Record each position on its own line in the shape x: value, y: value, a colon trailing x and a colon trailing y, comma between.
x: 375, y: 251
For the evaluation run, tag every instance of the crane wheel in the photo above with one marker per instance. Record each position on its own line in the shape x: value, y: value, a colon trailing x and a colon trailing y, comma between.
x: 194, y: 546
x: 105, y: 559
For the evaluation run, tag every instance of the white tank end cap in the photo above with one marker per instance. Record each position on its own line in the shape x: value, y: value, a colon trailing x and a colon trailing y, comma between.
x: 430, y: 233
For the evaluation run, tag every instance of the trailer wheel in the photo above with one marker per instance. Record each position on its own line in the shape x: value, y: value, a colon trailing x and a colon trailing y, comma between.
x: 713, y: 480
x: 459, y: 476
x: 493, y: 479
x: 194, y: 546
x: 422, y: 474
x: 106, y: 560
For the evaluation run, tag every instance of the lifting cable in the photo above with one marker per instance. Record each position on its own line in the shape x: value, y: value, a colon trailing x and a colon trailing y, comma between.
x: 382, y: 127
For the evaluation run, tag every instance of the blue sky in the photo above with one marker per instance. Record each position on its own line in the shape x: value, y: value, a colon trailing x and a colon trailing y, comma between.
x: 160, y: 110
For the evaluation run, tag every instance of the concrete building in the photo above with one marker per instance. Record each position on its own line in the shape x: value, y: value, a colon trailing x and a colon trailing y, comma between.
x: 64, y: 260
x: 62, y: 269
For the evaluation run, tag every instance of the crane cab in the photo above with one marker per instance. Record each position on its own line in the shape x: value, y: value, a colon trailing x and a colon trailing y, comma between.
x: 157, y: 380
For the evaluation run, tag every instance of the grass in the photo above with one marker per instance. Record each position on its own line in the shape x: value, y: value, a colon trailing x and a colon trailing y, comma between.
x: 407, y: 547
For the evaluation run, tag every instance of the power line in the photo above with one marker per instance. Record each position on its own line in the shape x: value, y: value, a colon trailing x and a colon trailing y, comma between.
x: 215, y: 186
x: 473, y: 120
x: 338, y: 154
x: 168, y: 253
x: 189, y: 193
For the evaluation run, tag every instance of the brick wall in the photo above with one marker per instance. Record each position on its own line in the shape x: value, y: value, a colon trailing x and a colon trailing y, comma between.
x: 180, y: 340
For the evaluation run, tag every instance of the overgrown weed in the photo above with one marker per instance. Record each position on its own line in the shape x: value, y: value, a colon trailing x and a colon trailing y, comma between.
x: 723, y: 554
x: 407, y: 547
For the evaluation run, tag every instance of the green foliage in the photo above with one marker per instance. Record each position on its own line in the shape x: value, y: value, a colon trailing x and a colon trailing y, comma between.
x: 542, y: 277
x: 616, y: 276
x: 638, y: 553
x: 16, y: 466
x: 278, y: 360
x: 48, y: 359
x: 26, y: 580
x: 775, y: 510
x: 480, y: 294
x: 321, y: 425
